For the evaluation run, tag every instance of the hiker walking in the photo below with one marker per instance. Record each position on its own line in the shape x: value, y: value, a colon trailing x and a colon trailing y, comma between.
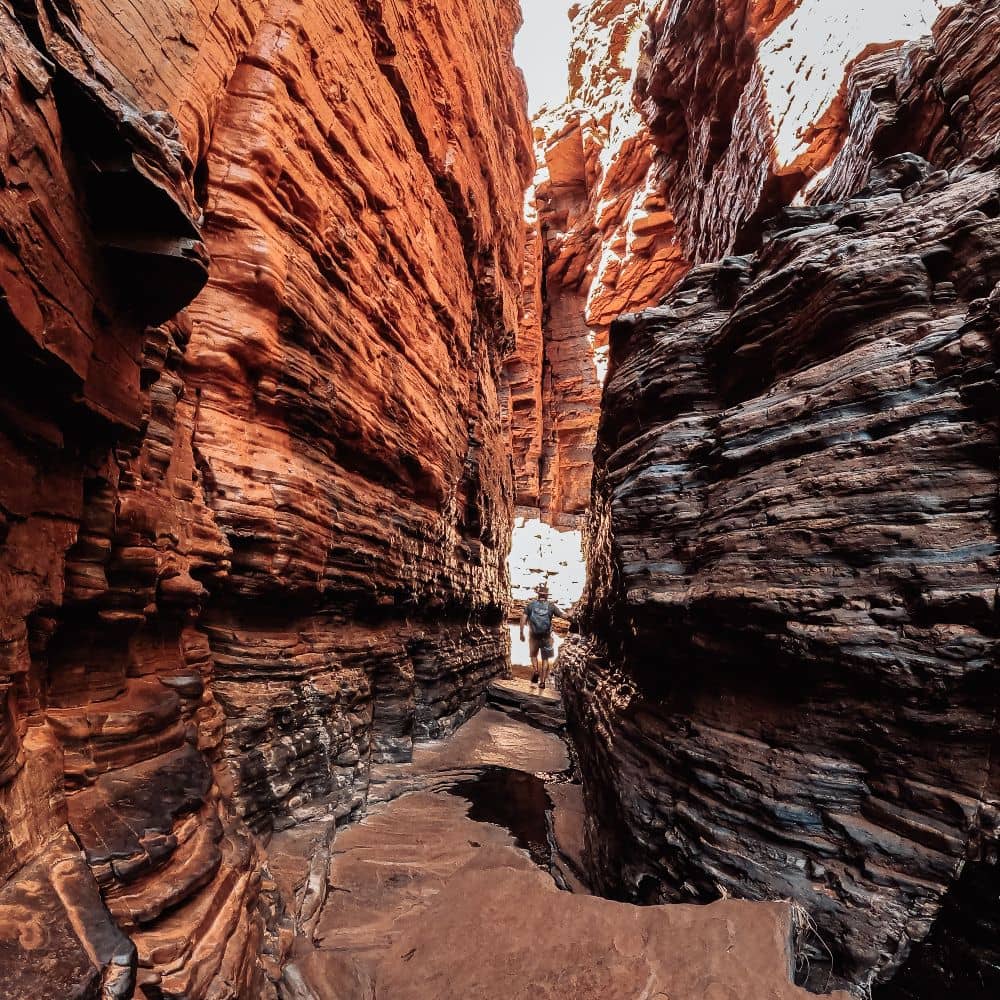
x: 538, y: 615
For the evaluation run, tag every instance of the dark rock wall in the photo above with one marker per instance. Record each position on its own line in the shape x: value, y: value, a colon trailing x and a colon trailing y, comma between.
x: 247, y: 547
x: 792, y: 689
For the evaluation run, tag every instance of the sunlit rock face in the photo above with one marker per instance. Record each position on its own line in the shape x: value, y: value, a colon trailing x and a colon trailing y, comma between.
x: 745, y: 102
x: 361, y: 477
x: 246, y: 547
x: 794, y: 553
x: 601, y: 242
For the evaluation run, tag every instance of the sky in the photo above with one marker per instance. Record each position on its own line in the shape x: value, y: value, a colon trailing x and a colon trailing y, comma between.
x: 541, y: 49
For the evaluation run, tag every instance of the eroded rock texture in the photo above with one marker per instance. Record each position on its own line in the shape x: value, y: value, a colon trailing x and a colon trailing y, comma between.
x: 745, y: 100
x: 794, y: 560
x: 247, y: 547
x: 349, y: 421
x: 601, y: 242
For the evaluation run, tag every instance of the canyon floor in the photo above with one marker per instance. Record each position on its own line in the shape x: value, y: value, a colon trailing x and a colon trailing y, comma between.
x: 465, y: 879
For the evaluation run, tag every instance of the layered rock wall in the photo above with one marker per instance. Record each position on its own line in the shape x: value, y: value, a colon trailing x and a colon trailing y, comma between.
x: 792, y: 688
x: 686, y: 127
x: 247, y: 547
x: 746, y: 101
x: 601, y: 242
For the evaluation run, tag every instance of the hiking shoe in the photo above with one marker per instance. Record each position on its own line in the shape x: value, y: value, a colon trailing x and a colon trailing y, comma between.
x: 534, y: 678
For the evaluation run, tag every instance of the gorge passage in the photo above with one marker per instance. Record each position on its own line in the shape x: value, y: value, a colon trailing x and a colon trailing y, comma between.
x: 302, y: 315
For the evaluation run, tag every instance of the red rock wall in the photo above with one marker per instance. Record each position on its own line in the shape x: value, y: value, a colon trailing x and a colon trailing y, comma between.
x: 247, y: 547
x: 792, y: 691
x: 521, y: 392
x: 607, y: 247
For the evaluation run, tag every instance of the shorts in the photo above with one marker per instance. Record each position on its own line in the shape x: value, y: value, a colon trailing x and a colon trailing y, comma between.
x: 541, y: 644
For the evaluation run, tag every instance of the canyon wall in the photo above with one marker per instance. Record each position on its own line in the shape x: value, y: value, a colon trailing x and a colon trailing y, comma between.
x: 601, y: 242
x: 791, y: 689
x: 260, y: 264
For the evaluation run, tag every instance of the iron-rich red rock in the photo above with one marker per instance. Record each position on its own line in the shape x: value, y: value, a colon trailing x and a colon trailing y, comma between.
x: 248, y: 547
x: 603, y: 238
x: 262, y: 266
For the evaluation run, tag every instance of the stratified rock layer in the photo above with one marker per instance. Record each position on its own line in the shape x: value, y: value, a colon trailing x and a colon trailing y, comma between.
x: 350, y: 419
x: 246, y: 548
x: 794, y: 552
x: 600, y: 242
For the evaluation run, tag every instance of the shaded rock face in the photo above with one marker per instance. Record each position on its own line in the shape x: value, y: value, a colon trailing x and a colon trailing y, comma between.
x: 600, y: 242
x: 247, y: 546
x: 792, y: 691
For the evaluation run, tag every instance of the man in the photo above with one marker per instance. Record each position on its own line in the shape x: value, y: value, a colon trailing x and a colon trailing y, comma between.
x: 538, y: 615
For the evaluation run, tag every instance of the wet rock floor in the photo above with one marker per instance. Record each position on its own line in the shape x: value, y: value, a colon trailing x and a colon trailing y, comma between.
x: 454, y: 886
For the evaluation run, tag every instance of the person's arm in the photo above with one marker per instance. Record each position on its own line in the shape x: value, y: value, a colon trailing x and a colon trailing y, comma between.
x: 524, y: 621
x: 559, y: 613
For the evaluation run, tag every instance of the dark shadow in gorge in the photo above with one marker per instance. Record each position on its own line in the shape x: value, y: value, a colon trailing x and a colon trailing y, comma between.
x: 514, y: 800
x: 520, y: 802
x: 950, y: 960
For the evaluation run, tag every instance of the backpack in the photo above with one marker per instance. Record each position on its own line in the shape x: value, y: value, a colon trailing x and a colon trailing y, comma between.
x: 540, y: 617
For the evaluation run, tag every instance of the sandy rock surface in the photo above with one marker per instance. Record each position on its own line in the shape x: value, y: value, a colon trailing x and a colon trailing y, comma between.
x: 426, y: 898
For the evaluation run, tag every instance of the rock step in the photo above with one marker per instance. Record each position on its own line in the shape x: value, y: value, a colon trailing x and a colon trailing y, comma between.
x: 536, y: 941
x: 517, y: 698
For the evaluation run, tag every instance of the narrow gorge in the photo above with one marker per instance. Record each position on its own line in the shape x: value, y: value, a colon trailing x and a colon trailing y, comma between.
x: 320, y: 354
